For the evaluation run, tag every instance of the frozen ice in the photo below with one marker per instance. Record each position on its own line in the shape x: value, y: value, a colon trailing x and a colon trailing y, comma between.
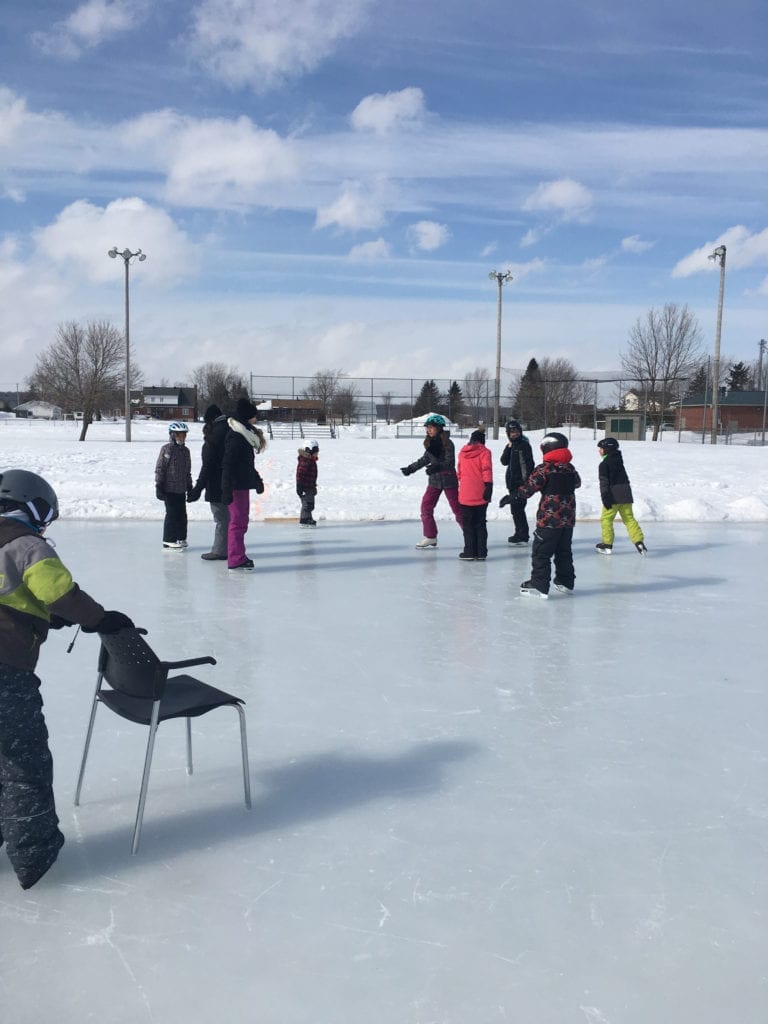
x: 467, y: 806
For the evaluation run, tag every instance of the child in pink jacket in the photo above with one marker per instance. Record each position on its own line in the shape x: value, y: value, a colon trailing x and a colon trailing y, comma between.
x: 475, y: 474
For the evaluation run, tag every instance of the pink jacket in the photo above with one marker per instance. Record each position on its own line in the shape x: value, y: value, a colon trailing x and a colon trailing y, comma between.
x: 474, y: 472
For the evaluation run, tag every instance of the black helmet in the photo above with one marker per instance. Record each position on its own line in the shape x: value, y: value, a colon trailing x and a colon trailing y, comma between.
x: 608, y: 444
x: 514, y: 425
x: 552, y: 441
x: 28, y: 492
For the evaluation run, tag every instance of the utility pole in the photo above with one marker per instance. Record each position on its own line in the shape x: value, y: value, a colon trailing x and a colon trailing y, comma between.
x: 126, y: 255
x: 500, y: 279
x: 719, y: 257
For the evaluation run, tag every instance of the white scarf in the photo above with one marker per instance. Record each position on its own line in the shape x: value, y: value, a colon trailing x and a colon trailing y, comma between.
x: 252, y: 435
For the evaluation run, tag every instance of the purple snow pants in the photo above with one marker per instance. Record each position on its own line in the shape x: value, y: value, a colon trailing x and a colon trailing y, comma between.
x: 428, y: 502
x: 238, y: 525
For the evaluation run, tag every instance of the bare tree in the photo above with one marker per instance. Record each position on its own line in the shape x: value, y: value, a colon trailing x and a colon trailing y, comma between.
x: 218, y: 384
x: 662, y: 349
x: 559, y: 378
x: 345, y: 402
x: 477, y: 388
x: 323, y: 387
x: 82, y: 370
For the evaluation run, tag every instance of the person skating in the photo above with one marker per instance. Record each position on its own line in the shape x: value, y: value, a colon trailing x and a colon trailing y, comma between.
x: 214, y: 437
x: 616, y: 495
x: 239, y: 477
x: 37, y: 593
x: 518, y: 459
x: 439, y: 460
x: 173, y: 482
x: 475, y: 474
x: 306, y: 481
x: 557, y: 481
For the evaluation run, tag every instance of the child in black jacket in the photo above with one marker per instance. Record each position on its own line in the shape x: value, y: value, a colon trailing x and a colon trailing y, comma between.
x: 616, y: 495
x: 518, y: 458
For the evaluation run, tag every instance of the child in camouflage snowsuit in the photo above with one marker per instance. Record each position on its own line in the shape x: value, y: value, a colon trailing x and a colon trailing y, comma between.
x: 37, y: 593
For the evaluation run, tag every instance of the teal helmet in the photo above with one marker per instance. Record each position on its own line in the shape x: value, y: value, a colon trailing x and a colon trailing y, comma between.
x: 436, y: 420
x: 178, y: 427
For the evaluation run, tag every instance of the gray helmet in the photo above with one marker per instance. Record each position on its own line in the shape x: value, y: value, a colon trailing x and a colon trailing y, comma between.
x: 553, y: 441
x: 27, y: 492
x: 513, y: 425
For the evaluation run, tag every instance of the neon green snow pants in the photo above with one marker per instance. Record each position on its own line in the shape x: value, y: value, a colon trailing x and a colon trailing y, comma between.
x: 627, y: 517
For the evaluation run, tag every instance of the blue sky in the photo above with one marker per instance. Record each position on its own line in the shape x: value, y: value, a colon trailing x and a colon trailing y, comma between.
x: 327, y: 184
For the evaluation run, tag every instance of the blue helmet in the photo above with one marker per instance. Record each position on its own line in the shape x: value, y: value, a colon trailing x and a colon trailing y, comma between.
x: 436, y: 420
x: 178, y: 427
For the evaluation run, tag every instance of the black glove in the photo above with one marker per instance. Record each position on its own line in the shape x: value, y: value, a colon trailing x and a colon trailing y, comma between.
x: 193, y: 494
x: 259, y: 486
x: 300, y: 491
x: 506, y: 500
x: 516, y: 501
x: 159, y: 493
x: 56, y: 622
x: 607, y: 504
x: 487, y: 493
x: 110, y: 622
x: 407, y: 470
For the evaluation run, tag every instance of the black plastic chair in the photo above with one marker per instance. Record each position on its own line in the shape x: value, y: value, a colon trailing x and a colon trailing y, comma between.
x: 142, y: 692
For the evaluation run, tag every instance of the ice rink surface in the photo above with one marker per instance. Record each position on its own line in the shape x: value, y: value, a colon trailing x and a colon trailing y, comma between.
x: 469, y: 806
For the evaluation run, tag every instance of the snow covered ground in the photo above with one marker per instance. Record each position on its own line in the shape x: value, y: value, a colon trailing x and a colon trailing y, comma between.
x: 359, y: 478
x: 469, y: 807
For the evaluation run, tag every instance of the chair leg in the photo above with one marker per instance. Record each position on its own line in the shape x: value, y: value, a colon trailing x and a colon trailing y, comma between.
x: 145, y: 776
x: 189, y: 746
x: 87, y: 744
x: 244, y: 749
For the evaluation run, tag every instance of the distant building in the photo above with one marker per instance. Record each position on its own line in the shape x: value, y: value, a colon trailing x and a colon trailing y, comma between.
x: 166, y: 403
x: 290, y: 410
x: 737, y: 411
x: 38, y: 410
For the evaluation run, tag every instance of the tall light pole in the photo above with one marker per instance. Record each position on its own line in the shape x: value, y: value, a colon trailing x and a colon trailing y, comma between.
x: 719, y: 257
x: 500, y: 279
x: 127, y: 256
x: 761, y: 351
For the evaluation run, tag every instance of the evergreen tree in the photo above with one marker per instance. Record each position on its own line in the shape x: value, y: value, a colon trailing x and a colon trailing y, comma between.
x: 739, y: 377
x: 429, y: 400
x: 529, y: 400
x: 455, y: 402
x: 698, y: 381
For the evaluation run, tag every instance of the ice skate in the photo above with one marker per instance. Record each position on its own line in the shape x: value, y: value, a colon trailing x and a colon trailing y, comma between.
x: 427, y: 542
x: 604, y: 549
x: 641, y: 548
x: 529, y: 590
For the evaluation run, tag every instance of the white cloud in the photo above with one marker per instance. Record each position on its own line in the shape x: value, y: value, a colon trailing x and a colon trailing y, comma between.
x: 222, y: 162
x: 382, y: 112
x: 370, y: 251
x: 15, y: 195
x: 743, y: 249
x: 634, y: 243
x: 490, y: 250
x: 13, y: 116
x: 533, y: 236
x: 571, y: 200
x: 89, y: 25
x: 427, y: 235
x: 79, y: 238
x: 261, y: 43
x: 356, y: 209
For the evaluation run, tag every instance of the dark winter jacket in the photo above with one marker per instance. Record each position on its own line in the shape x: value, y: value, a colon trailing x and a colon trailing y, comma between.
x: 557, y: 481
x: 306, y: 471
x: 518, y: 458
x: 34, y: 583
x: 439, y: 460
x: 614, y: 482
x: 238, y: 472
x: 173, y: 470
x: 214, y: 438
x: 474, y: 472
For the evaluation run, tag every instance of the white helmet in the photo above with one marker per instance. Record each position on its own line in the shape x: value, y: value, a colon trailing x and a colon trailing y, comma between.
x: 178, y: 427
x: 312, y: 446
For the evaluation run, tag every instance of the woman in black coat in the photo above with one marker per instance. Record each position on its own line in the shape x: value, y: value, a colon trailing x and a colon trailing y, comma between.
x: 239, y: 477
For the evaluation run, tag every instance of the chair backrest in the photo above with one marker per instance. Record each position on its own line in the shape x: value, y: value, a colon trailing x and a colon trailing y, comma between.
x: 129, y: 664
